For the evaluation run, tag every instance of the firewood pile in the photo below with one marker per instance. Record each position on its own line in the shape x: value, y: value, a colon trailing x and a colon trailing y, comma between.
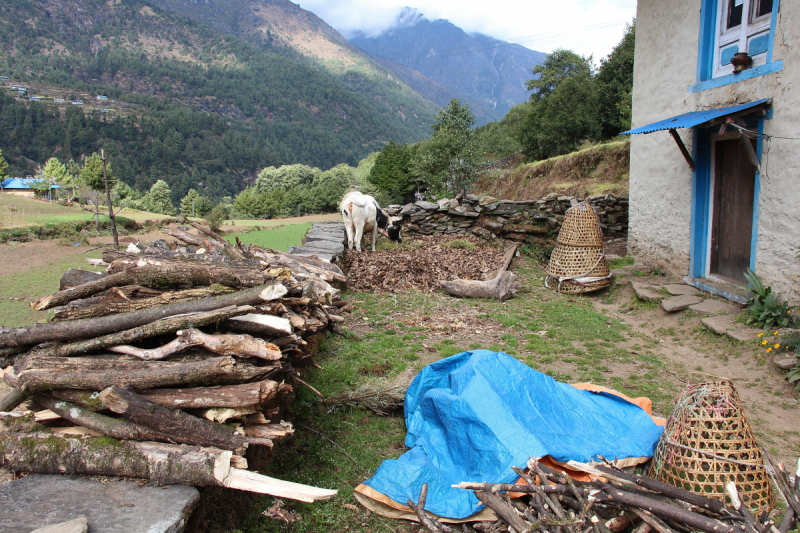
x: 184, y: 357
x: 615, y: 501
x: 422, y: 265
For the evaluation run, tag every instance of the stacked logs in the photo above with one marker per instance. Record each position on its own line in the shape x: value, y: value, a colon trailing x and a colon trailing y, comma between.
x: 612, y: 502
x: 170, y: 366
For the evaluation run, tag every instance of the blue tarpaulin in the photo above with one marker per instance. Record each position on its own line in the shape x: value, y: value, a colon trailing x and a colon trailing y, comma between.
x: 473, y: 416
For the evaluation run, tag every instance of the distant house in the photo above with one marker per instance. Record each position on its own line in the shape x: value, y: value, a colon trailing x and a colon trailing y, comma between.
x: 101, y: 98
x: 3, y: 78
x: 35, y: 99
x: 105, y: 110
x: 716, y: 78
x: 58, y: 100
x: 21, y: 187
x: 77, y: 102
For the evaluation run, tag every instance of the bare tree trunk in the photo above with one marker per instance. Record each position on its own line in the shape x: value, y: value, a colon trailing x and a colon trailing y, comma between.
x: 227, y: 396
x: 176, y: 274
x: 111, y: 214
x: 159, y: 327
x: 113, y: 306
x: 77, y: 329
x: 180, y: 426
x: 47, y: 373
x: 502, y: 287
x: 119, y: 428
x: 234, y: 345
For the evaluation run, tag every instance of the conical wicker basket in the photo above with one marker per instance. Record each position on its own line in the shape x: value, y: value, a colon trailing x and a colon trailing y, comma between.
x: 579, y: 262
x: 707, y: 442
x: 581, y: 227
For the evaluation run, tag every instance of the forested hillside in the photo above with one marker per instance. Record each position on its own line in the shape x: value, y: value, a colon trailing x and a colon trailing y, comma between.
x: 186, y: 104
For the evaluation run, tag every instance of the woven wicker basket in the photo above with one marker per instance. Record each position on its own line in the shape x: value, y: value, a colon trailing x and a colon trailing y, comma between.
x: 708, y: 442
x: 577, y: 261
x: 581, y: 227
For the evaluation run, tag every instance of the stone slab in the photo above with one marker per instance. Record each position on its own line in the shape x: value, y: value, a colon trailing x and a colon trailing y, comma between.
x: 679, y: 303
x: 330, y: 258
x: 646, y: 292
x: 308, y: 251
x: 785, y: 362
x: 741, y: 334
x: 318, y: 236
x: 38, y: 500
x: 79, y: 525
x: 327, y: 246
x: 719, y: 324
x: 712, y: 307
x: 677, y: 289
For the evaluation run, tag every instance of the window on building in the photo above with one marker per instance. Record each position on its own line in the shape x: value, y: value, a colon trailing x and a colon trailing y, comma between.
x: 742, y: 26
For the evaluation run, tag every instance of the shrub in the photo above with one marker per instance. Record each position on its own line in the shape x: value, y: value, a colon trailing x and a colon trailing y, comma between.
x: 461, y: 244
x: 768, y: 309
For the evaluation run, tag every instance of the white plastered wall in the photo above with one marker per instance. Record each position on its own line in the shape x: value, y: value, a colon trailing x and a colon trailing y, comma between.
x: 667, y: 33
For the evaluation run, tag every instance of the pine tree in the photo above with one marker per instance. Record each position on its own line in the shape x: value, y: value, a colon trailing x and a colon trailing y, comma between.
x: 3, y: 167
x: 188, y: 209
x: 158, y: 199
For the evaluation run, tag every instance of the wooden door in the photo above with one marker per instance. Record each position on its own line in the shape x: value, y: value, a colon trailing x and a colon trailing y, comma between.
x: 732, y: 224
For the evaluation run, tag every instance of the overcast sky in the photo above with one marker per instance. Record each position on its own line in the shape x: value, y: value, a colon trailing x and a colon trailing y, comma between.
x: 584, y: 26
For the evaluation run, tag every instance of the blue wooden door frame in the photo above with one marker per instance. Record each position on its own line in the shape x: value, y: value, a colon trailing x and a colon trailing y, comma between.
x: 701, y: 199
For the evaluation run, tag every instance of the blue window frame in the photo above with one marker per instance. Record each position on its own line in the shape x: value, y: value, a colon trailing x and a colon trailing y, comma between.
x: 719, y: 20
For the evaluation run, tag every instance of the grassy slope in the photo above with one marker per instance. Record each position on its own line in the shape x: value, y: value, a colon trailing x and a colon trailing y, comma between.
x: 33, y: 284
x: 597, y: 170
x: 276, y: 238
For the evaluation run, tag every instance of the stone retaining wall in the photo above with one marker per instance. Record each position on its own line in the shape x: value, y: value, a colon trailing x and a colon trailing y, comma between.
x: 490, y: 218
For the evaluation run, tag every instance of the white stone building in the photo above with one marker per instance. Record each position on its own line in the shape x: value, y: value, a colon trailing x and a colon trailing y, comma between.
x: 709, y: 206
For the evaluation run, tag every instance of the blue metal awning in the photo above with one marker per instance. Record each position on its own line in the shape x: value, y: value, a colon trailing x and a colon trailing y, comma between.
x: 695, y: 118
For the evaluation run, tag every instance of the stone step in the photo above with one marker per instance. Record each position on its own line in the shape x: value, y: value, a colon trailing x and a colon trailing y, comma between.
x: 713, y: 307
x: 647, y: 292
x: 677, y: 289
x: 727, y: 325
x: 39, y: 500
x: 785, y: 361
x: 679, y: 303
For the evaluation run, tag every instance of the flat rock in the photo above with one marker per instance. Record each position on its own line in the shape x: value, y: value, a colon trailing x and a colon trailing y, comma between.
x: 617, y: 272
x: 79, y: 525
x: 427, y: 206
x: 679, y: 303
x: 712, y: 307
x: 331, y: 247
x: 677, y: 289
x: 39, y: 500
x: 719, y: 324
x: 309, y: 251
x: 785, y: 362
x: 320, y: 236
x: 645, y: 292
x: 76, y: 276
x: 741, y: 334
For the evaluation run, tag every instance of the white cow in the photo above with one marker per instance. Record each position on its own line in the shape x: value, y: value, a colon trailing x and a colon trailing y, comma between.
x: 362, y: 214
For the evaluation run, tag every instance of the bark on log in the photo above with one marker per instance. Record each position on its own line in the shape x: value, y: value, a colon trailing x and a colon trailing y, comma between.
x: 12, y: 400
x: 680, y: 515
x: 296, y: 264
x: 112, y: 306
x: 182, y: 427
x: 159, y: 327
x: 164, y: 464
x: 119, y: 428
x: 188, y: 238
x: 501, y: 288
x: 269, y: 431
x: 226, y: 396
x: 233, y: 345
x: 503, y: 511
x: 47, y: 373
x: 176, y: 274
x: 77, y: 329
x: 119, y: 261
x: 232, y: 251
x: 711, y: 504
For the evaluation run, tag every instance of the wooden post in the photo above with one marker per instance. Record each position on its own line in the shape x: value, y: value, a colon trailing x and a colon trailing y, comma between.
x: 686, y: 155
x: 111, y: 214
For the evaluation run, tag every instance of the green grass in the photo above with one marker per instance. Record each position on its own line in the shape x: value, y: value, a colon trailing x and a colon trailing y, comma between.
x: 278, y: 238
x: 34, y: 284
x: 621, y: 262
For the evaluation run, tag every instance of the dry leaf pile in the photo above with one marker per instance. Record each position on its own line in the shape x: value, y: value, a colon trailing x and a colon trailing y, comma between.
x: 420, y: 266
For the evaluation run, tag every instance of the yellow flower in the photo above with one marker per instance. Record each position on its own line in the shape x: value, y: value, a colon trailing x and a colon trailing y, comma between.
x: 777, y: 346
x: 769, y: 350
x: 761, y: 334
x: 775, y: 333
x: 764, y: 342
